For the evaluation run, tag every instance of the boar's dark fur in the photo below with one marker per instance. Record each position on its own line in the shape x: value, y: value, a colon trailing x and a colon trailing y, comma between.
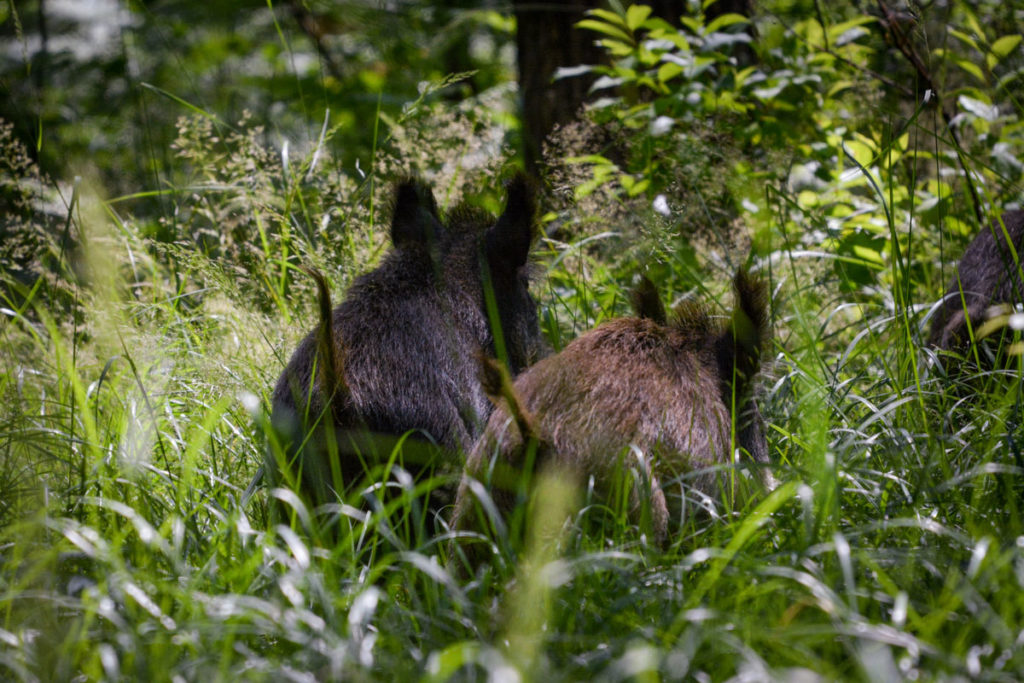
x: 400, y: 351
x: 667, y: 384
x: 987, y: 274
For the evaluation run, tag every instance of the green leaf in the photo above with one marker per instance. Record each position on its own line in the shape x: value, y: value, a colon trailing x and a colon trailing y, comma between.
x: 624, y: 72
x: 659, y: 28
x: 808, y: 198
x: 617, y: 47
x: 676, y: 38
x: 983, y: 110
x: 573, y: 71
x: 835, y: 31
x: 743, y: 75
x: 646, y: 57
x: 590, y: 159
x: 867, y: 254
x: 769, y: 92
x: 637, y: 187
x: 610, y: 17
x: 1005, y: 45
x: 850, y: 36
x: 725, y: 20
x: 972, y: 21
x: 859, y: 255
x: 964, y: 38
x: 1007, y: 79
x: 838, y: 87
x: 443, y: 665
x: 648, y: 82
x: 971, y: 68
x: 668, y: 71
x: 498, y: 22
x: 586, y: 188
x: 861, y: 151
x: 606, y: 29
x: 1000, y: 49
x: 692, y: 24
x: 636, y: 15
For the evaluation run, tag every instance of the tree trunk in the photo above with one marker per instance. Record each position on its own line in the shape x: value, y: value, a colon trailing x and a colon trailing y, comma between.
x: 547, y: 38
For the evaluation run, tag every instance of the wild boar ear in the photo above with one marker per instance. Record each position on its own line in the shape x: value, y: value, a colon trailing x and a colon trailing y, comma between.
x: 414, y: 218
x: 646, y: 302
x: 508, y: 241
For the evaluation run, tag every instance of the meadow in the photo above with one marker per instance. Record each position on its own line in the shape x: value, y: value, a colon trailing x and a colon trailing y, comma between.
x: 143, y: 328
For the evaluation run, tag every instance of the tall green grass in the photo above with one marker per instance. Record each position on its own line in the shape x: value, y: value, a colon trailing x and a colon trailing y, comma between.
x: 137, y: 360
x: 131, y: 428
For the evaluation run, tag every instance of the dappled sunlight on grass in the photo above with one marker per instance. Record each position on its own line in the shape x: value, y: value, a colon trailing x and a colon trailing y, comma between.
x: 139, y: 343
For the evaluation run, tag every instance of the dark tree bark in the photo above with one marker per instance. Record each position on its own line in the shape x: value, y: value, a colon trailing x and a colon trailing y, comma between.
x: 546, y: 39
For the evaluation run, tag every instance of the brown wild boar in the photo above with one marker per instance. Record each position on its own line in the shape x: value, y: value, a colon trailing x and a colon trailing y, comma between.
x: 666, y: 386
x: 989, y: 273
x: 399, y: 354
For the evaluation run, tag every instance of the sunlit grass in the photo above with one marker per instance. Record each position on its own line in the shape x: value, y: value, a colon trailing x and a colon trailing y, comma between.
x: 889, y: 548
x: 134, y: 388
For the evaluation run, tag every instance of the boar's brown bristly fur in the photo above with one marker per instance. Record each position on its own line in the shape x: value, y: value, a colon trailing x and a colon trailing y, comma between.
x: 988, y: 273
x: 665, y: 384
x: 403, y: 345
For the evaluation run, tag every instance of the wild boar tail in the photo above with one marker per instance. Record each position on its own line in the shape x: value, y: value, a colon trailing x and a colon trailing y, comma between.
x: 331, y: 371
x: 497, y: 384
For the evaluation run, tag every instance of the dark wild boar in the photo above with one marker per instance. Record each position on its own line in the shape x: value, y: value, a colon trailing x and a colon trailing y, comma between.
x: 400, y: 351
x: 989, y: 273
x: 667, y: 385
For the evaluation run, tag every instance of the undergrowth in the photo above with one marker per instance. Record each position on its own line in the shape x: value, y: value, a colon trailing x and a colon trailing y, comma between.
x: 138, y: 354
